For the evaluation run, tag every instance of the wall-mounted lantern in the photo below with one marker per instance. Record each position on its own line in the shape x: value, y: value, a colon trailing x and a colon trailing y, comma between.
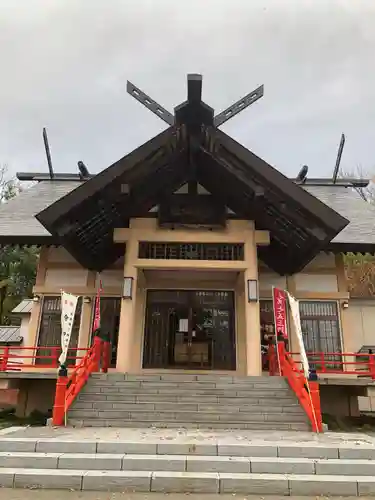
x: 127, y: 289
x: 252, y: 290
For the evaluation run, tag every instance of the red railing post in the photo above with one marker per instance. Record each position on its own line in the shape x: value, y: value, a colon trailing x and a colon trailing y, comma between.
x: 59, y: 407
x: 281, y: 355
x: 55, y: 356
x: 271, y: 360
x: 106, y: 353
x: 97, y: 353
x: 323, y: 362
x: 371, y: 363
x: 4, y: 359
x: 317, y: 423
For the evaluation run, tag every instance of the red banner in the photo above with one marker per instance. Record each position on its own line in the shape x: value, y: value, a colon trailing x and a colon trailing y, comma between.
x: 279, y: 312
x: 96, y: 323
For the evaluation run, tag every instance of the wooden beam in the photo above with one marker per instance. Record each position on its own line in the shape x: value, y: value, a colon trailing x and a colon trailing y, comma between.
x: 179, y: 264
x: 322, y: 295
x: 121, y: 235
x: 113, y: 291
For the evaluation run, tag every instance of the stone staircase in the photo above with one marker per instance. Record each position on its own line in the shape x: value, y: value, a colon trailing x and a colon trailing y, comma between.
x: 189, y: 401
x: 191, y: 465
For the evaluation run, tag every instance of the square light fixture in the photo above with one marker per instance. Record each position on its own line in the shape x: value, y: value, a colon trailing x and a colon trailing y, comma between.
x: 127, y: 289
x: 252, y: 290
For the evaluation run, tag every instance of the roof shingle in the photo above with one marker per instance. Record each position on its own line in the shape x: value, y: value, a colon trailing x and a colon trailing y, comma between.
x: 348, y: 203
x: 23, y: 307
x: 10, y: 335
x: 17, y: 217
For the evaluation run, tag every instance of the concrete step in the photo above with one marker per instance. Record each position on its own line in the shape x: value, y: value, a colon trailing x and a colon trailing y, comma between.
x: 184, y: 463
x: 188, y: 482
x: 185, y: 377
x: 180, y: 406
x: 264, y: 385
x: 229, y: 447
x: 126, y: 384
x: 174, y: 398
x: 186, y: 416
x: 187, y: 400
x: 95, y: 389
x: 162, y: 424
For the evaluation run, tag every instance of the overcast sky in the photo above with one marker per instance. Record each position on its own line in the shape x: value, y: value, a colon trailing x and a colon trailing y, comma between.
x: 64, y: 65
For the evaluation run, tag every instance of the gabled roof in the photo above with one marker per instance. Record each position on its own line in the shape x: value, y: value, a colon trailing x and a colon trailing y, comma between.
x: 358, y: 236
x: 24, y: 307
x: 360, y: 232
x: 300, y: 224
x: 10, y: 335
x: 17, y: 217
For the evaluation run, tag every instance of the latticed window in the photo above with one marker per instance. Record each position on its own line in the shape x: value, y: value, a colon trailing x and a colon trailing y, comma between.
x: 191, y: 251
x: 321, y: 332
x: 50, y: 329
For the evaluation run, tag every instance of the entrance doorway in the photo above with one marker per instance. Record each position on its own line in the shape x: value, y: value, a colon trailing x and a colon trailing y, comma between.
x: 110, y: 322
x: 190, y: 329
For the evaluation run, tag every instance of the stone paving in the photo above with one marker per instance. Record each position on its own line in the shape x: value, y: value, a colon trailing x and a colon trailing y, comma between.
x: 6, y: 494
x: 337, y: 463
x: 153, y: 435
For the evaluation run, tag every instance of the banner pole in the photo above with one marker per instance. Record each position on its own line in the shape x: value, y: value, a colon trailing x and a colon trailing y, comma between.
x: 304, y: 360
x: 312, y: 406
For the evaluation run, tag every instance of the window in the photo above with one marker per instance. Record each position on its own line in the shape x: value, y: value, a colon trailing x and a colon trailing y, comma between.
x: 189, y: 251
x: 321, y: 331
x: 50, y: 329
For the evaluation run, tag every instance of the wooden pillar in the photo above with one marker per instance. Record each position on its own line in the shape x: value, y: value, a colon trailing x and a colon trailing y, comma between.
x: 252, y: 312
x: 84, y: 335
x: 128, y: 311
x: 347, y: 332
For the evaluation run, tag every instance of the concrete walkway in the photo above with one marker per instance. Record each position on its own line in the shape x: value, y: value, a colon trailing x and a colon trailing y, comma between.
x: 6, y: 494
x: 152, y: 435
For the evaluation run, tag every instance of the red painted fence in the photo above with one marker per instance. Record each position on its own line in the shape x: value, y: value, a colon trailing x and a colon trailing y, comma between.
x: 82, y: 362
x: 17, y: 358
x: 307, y: 391
x: 68, y: 387
x: 349, y: 363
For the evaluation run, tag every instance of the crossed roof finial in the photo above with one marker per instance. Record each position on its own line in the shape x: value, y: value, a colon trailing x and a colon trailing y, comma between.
x: 194, y: 109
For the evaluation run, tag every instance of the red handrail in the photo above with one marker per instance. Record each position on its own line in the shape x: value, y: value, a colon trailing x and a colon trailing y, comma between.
x: 67, y: 388
x: 16, y: 358
x: 306, y: 392
x: 344, y: 363
x: 348, y: 363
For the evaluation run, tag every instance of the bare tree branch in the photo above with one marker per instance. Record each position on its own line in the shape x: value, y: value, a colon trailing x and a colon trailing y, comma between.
x: 367, y: 193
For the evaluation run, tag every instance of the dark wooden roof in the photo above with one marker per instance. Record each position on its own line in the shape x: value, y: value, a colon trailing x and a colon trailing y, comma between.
x: 300, y: 224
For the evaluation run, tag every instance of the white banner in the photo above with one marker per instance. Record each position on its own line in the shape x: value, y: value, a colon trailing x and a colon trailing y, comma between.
x: 294, y: 309
x: 68, y: 309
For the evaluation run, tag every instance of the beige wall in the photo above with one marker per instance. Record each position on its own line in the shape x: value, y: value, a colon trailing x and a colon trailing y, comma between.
x: 322, y: 279
x: 361, y: 325
x: 193, y: 274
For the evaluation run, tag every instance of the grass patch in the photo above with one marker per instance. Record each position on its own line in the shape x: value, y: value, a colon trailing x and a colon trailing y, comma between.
x: 8, y: 418
x: 363, y: 423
